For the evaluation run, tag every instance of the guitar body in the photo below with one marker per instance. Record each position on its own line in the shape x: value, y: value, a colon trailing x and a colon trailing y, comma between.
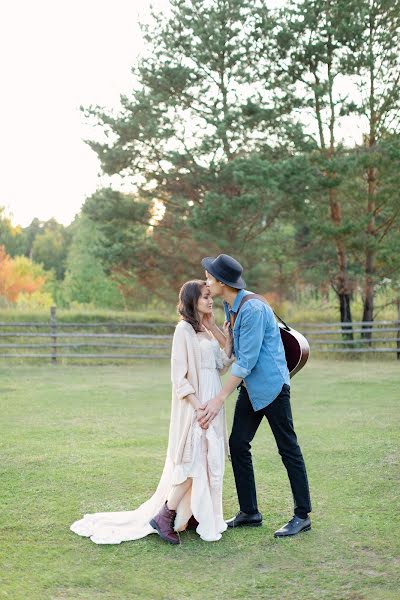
x: 297, y: 348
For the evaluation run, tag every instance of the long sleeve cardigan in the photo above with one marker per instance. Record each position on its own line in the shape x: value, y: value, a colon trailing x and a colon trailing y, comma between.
x: 185, y: 370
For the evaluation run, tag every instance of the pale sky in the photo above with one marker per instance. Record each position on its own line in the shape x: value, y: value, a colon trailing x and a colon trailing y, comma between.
x: 56, y: 55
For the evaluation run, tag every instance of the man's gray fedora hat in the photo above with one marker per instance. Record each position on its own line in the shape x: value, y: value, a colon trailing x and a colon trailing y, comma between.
x: 226, y: 269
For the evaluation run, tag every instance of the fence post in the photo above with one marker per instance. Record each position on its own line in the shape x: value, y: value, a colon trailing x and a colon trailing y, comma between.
x: 53, y: 325
x: 398, y: 329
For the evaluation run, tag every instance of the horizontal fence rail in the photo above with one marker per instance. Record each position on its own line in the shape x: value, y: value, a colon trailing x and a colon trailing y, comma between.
x: 358, y: 337
x: 56, y: 340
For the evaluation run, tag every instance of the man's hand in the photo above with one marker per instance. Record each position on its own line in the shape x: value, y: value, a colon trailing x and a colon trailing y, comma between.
x: 209, y: 411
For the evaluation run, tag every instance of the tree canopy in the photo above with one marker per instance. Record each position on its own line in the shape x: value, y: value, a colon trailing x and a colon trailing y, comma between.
x: 269, y: 134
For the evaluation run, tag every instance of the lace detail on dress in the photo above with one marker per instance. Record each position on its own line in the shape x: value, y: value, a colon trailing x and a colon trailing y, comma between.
x: 212, y: 356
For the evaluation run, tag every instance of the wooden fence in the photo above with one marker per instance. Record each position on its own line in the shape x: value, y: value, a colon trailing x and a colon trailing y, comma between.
x: 358, y: 337
x: 56, y: 340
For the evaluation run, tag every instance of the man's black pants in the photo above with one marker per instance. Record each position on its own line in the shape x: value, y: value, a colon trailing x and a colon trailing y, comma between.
x: 245, y: 425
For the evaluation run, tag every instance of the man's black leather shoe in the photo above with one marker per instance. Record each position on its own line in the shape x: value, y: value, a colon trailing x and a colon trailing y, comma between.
x: 295, y: 526
x: 242, y: 519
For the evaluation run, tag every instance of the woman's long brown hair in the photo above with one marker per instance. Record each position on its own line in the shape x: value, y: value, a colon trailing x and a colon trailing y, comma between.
x: 189, y: 295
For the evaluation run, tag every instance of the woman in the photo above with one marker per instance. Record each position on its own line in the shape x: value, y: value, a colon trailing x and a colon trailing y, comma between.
x: 189, y: 494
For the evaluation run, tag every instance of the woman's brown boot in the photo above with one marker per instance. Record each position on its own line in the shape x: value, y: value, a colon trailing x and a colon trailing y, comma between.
x: 164, y: 523
x: 192, y: 524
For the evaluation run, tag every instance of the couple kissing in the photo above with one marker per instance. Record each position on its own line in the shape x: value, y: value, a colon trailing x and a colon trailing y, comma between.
x: 189, y: 493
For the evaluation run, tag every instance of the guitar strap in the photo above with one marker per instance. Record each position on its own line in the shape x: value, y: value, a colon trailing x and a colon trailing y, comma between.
x: 250, y: 297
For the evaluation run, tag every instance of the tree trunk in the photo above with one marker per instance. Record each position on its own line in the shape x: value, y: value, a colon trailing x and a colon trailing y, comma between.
x: 368, y: 312
x: 342, y: 279
x: 398, y: 329
x: 342, y: 284
x: 368, y: 309
x: 345, y: 314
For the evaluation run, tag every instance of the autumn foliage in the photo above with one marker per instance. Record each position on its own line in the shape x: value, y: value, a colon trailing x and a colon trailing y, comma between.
x: 18, y: 275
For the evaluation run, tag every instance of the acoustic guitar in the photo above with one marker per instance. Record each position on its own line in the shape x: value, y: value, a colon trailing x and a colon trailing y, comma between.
x: 297, y: 348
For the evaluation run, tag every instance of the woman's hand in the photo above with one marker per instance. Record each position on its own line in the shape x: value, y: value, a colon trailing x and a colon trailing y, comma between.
x: 209, y: 320
x: 226, y: 329
x: 228, y: 339
x: 199, y: 415
x: 198, y: 409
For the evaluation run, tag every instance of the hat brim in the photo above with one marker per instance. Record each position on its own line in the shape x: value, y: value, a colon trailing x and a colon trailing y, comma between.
x: 208, y: 266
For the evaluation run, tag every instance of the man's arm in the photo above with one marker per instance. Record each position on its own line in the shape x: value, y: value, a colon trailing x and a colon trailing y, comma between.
x: 251, y: 336
x: 209, y: 411
x: 252, y: 328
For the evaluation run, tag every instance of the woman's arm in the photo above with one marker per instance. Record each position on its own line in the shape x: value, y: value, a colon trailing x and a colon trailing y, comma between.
x: 209, y: 323
x: 179, y: 369
x: 194, y: 401
x: 228, y: 347
x: 179, y: 365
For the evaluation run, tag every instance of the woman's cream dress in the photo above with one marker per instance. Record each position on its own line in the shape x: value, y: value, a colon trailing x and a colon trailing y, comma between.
x: 204, y: 464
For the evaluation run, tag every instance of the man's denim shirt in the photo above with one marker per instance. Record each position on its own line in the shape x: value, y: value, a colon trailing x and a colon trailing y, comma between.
x: 258, y: 348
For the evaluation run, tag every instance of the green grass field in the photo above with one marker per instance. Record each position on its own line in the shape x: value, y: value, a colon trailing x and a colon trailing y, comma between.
x: 84, y: 439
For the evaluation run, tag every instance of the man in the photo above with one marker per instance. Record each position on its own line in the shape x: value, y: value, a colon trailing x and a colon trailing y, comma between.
x: 261, y: 374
